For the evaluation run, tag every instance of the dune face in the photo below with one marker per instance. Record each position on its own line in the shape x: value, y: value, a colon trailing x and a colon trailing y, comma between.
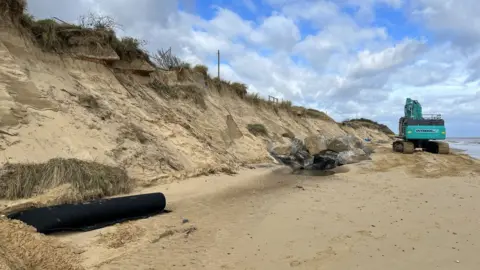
x: 97, y: 107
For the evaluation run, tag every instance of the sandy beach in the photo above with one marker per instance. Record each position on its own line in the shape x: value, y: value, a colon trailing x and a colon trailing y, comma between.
x: 365, y: 216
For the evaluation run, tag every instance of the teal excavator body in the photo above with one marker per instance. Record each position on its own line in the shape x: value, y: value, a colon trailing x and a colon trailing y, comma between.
x: 418, y: 130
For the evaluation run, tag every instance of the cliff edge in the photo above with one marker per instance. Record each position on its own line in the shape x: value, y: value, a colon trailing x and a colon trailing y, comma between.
x: 79, y: 92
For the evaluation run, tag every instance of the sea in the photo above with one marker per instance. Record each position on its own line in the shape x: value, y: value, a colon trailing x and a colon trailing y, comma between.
x: 470, y: 146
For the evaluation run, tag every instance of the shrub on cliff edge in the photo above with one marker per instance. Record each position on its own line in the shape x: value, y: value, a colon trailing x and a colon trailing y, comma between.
x: 355, y: 123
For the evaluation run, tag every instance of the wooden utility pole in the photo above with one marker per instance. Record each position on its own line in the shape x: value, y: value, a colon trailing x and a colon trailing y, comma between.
x: 218, y: 65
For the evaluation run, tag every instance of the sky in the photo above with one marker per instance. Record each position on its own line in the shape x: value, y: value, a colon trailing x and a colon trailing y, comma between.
x: 349, y: 58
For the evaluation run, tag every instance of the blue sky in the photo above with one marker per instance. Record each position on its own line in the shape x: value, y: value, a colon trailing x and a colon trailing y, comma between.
x: 350, y: 58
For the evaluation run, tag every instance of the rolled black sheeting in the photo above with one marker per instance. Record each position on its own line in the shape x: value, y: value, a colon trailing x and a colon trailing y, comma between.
x: 92, y: 215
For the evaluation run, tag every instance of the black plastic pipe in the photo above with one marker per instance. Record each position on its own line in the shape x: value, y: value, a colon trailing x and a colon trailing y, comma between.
x: 92, y: 215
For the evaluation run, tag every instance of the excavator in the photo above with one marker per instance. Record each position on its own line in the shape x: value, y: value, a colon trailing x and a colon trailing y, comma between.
x: 418, y: 130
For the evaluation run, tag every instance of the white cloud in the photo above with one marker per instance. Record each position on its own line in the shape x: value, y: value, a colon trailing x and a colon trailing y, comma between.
x: 369, y: 63
x: 346, y: 63
x: 228, y: 24
x: 454, y: 21
x: 277, y: 32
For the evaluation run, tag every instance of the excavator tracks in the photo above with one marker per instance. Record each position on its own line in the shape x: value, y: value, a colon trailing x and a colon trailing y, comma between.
x: 403, y: 147
x: 441, y: 148
x: 434, y: 147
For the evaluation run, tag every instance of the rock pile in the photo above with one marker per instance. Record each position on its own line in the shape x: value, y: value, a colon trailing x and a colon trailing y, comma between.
x: 320, y: 153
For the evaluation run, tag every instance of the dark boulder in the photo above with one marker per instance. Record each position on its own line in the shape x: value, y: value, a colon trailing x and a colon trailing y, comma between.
x: 327, y: 153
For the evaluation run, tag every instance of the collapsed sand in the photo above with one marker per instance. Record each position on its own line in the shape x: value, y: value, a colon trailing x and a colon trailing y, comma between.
x: 425, y: 165
x: 21, y: 247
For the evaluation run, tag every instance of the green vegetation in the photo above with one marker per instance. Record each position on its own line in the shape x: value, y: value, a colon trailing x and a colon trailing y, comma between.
x: 94, y: 32
x: 12, y: 10
x: 239, y: 88
x: 312, y: 113
x: 201, y: 69
x: 363, y: 122
x: 257, y: 129
x: 285, y: 104
x: 319, y: 115
x: 186, y: 92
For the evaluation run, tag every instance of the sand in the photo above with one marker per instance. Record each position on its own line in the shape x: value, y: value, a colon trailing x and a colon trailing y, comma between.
x: 365, y: 216
x: 22, y: 248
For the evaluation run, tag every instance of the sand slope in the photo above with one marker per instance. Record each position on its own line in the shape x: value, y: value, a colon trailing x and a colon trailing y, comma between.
x: 57, y: 106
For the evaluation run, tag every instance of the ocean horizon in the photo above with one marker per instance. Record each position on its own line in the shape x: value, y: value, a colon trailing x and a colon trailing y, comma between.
x: 470, y: 145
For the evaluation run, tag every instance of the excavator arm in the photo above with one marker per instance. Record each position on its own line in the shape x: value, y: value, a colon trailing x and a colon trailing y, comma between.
x: 413, y: 109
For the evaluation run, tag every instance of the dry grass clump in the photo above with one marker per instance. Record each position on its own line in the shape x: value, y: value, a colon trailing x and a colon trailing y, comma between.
x: 27, y: 20
x: 58, y: 37
x: 364, y: 122
x: 95, y: 32
x: 319, y: 115
x: 191, y: 92
x: 257, y: 129
x: 129, y: 49
x: 217, y: 83
x: 202, y: 69
x: 134, y: 133
x: 12, y: 9
x: 186, y: 92
x: 254, y: 98
x: 89, y: 179
x: 162, y: 89
x: 22, y: 248
x: 285, y: 104
x: 312, y: 113
x: 88, y: 101
x: 239, y: 88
